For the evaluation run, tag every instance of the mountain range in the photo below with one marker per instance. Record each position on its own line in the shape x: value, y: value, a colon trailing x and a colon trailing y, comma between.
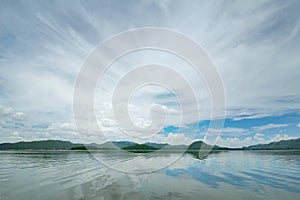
x: 134, y: 147
x: 281, y: 145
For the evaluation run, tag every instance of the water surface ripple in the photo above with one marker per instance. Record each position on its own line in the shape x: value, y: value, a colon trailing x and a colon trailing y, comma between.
x: 77, y: 175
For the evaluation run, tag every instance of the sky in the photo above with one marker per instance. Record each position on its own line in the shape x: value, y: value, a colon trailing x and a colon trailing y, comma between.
x: 254, y: 45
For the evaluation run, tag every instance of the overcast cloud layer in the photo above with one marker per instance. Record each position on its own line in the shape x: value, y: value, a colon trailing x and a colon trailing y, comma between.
x: 254, y: 44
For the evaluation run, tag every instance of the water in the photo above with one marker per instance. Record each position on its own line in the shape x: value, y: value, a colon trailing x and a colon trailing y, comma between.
x: 77, y: 175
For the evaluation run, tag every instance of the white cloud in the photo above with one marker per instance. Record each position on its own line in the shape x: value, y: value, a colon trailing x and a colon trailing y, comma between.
x: 19, y: 116
x: 249, y: 116
x: 269, y: 126
x: 298, y: 125
x: 15, y: 133
x: 5, y: 111
x: 229, y: 131
x: 16, y: 137
x: 9, y: 119
x: 62, y: 128
x: 259, y: 135
x: 172, y: 138
x: 8, y: 116
x: 256, y: 139
x: 245, y: 40
x: 68, y: 126
x: 228, y: 46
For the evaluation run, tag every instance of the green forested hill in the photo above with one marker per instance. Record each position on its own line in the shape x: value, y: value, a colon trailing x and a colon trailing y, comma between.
x: 140, y: 148
x: 42, y: 145
x: 131, y: 146
x: 281, y: 145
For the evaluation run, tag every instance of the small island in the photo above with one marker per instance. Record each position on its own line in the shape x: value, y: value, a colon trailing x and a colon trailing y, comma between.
x: 140, y: 148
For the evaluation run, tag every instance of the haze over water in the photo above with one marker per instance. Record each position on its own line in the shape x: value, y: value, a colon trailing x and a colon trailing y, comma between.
x: 77, y: 175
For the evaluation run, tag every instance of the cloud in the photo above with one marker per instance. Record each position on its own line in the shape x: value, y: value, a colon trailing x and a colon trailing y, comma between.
x: 172, y: 138
x: 65, y: 126
x: 269, y: 126
x: 258, y: 135
x: 14, y: 126
x: 249, y: 116
x: 16, y: 137
x: 42, y: 49
x: 256, y: 139
x: 229, y: 131
x: 15, y: 133
x: 8, y: 116
x: 56, y: 34
x: 19, y: 116
x: 5, y: 111
x: 298, y: 125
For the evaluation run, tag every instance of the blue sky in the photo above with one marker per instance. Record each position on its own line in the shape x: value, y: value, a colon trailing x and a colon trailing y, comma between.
x: 254, y: 45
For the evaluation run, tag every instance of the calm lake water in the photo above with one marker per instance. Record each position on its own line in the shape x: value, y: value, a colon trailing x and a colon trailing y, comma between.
x: 77, y: 175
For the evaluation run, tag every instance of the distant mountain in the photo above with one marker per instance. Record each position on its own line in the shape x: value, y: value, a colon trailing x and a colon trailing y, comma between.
x: 281, y: 145
x: 196, y: 146
x: 41, y: 145
x: 85, y: 147
x: 149, y: 147
x: 157, y: 145
x: 126, y: 145
x: 66, y: 145
x: 175, y: 147
x: 122, y: 144
x: 112, y: 145
x: 105, y: 146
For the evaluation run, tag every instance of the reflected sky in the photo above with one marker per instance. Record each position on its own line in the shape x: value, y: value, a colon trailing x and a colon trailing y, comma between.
x: 246, y: 170
x: 78, y: 175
